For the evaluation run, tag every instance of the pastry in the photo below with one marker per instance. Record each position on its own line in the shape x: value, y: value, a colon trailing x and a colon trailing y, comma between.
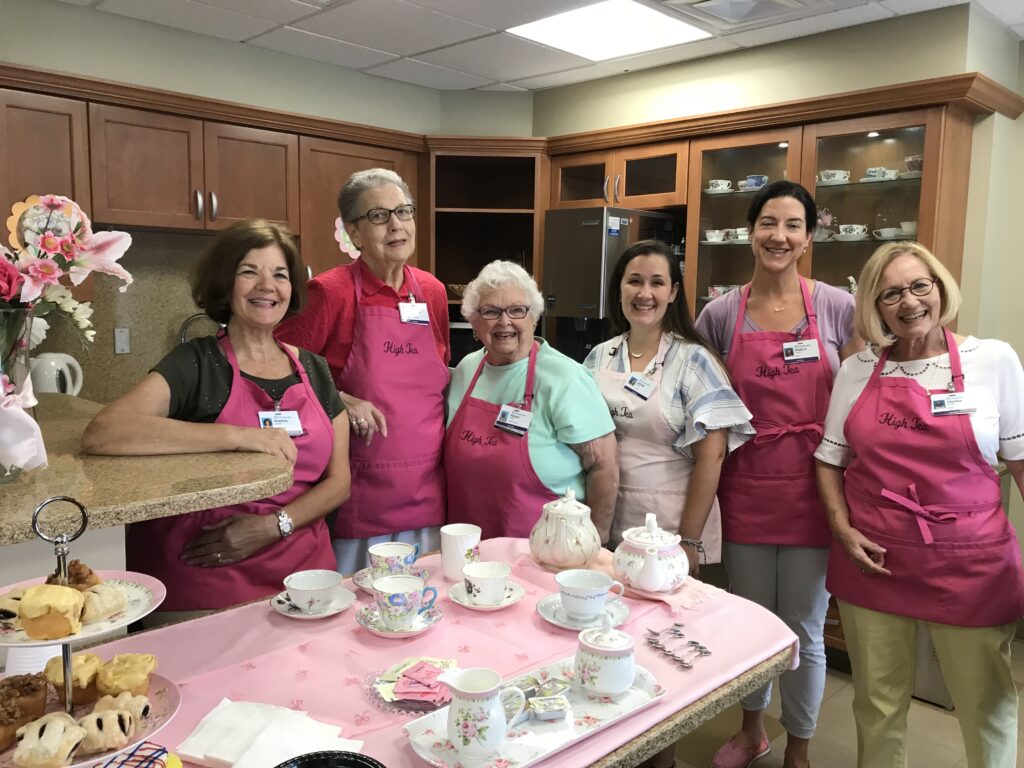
x: 126, y: 672
x: 11, y: 719
x: 50, y: 612
x: 10, y: 605
x: 49, y: 742
x: 80, y: 576
x: 137, y: 705
x: 101, y: 602
x: 84, y: 667
x: 28, y: 692
x: 109, y: 729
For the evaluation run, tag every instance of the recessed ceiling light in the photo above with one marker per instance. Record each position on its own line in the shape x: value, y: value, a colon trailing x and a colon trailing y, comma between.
x: 610, y: 29
x: 872, y: 134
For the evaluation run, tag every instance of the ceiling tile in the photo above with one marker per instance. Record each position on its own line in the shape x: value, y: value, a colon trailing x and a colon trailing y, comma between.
x: 421, y: 73
x: 190, y: 16
x: 812, y: 25
x: 504, y: 13
x: 502, y: 87
x: 903, y: 7
x: 503, y: 57
x: 277, y: 11
x: 1010, y: 12
x: 307, y: 45
x: 80, y: 2
x: 391, y: 25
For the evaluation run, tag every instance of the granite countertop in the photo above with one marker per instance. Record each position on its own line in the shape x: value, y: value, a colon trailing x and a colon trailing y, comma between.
x: 125, y: 489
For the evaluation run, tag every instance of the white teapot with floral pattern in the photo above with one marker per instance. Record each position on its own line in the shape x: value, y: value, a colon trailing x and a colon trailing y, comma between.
x: 564, y: 536
x: 650, y: 559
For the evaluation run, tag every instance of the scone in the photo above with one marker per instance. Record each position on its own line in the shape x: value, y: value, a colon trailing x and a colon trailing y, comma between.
x: 50, y: 612
x: 101, y: 602
x: 49, y: 742
x: 11, y: 719
x: 80, y: 576
x: 137, y: 705
x: 28, y: 692
x: 84, y: 668
x: 105, y: 730
x: 126, y: 672
x: 10, y: 605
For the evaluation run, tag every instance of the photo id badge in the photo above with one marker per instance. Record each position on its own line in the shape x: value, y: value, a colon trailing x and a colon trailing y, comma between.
x: 951, y: 404
x: 513, y: 420
x: 803, y: 351
x: 286, y: 420
x: 414, y: 312
x: 639, y: 385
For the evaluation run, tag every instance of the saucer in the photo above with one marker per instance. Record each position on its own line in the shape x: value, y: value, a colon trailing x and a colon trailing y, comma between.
x: 286, y: 607
x: 869, y: 179
x: 364, y: 578
x: 910, y: 175
x: 719, y: 191
x: 716, y: 242
x: 368, y: 617
x: 832, y: 182
x: 550, y: 609
x: 851, y: 238
x: 513, y: 594
x: 897, y: 236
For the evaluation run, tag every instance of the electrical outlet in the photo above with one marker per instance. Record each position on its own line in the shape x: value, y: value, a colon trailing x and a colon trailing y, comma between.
x: 122, y: 341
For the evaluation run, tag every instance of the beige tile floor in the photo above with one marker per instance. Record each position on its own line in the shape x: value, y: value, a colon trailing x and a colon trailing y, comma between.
x: 933, y: 736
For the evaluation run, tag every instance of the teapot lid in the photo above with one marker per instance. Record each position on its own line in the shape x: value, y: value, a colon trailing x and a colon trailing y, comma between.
x: 650, y: 535
x: 606, y: 641
x: 567, y: 504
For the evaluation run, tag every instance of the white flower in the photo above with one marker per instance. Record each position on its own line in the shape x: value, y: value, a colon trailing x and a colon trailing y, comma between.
x: 90, y: 335
x: 81, y: 314
x: 39, y: 329
x: 61, y: 297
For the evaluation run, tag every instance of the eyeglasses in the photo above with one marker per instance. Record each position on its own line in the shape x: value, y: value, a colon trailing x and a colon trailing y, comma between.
x: 383, y: 215
x: 515, y: 312
x: 921, y: 287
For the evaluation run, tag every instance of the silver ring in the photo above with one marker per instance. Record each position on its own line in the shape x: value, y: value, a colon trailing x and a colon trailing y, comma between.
x: 361, y: 421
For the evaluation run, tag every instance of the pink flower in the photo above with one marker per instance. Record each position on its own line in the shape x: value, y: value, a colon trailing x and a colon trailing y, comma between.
x: 6, y: 386
x: 100, y: 253
x: 39, y: 273
x: 68, y: 247
x: 49, y: 243
x: 53, y: 202
x: 10, y: 280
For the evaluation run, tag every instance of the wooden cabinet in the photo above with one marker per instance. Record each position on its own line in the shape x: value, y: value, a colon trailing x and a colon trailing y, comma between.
x: 157, y: 170
x: 324, y: 166
x: 648, y: 176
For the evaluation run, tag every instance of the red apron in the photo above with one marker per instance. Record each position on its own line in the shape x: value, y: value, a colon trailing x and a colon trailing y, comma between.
x: 918, y: 485
x: 491, y: 480
x: 768, y: 491
x: 155, y: 546
x: 397, y: 481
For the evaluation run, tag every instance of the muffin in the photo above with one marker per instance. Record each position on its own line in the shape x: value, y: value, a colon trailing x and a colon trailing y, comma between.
x: 126, y: 672
x: 84, y: 668
x: 80, y: 576
x: 49, y: 742
x: 28, y: 692
x: 11, y: 719
x: 51, y: 612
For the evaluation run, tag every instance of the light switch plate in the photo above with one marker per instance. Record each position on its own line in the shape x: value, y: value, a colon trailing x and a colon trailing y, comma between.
x: 122, y: 341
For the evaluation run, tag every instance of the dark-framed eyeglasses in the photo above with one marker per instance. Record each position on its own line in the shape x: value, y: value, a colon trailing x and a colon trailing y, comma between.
x: 921, y: 287
x: 383, y: 215
x: 515, y: 312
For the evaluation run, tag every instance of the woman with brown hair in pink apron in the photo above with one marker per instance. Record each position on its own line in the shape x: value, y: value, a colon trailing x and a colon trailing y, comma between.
x: 915, y: 425
x: 216, y: 394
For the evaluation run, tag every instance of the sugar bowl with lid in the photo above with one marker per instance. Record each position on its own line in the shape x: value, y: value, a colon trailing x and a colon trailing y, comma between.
x: 605, y: 662
x: 650, y: 559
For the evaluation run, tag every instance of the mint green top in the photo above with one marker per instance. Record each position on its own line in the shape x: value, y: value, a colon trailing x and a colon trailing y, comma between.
x: 567, y: 409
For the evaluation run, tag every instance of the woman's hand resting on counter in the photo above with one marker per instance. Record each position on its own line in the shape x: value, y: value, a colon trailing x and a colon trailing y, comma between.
x: 231, y: 540
x: 364, y: 417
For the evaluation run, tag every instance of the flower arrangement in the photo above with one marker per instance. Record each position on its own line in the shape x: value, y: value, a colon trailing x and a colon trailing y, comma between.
x: 826, y: 218
x: 54, y: 243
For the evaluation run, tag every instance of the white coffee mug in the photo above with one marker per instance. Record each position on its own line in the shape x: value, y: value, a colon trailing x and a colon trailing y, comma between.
x: 460, y: 544
x: 312, y: 591
x: 585, y: 592
x: 486, y: 582
x: 719, y: 184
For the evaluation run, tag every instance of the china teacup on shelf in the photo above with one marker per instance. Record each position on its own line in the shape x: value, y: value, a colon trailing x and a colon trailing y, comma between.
x: 834, y: 176
x: 909, y: 228
x: 715, y: 235
x: 887, y: 233
x: 719, y: 185
x: 853, y: 229
x: 881, y: 172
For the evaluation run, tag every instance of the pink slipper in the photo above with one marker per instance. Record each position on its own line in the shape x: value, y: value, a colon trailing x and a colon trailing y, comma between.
x: 732, y: 755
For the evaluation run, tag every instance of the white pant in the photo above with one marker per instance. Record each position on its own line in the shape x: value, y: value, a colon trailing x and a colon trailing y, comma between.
x: 790, y: 582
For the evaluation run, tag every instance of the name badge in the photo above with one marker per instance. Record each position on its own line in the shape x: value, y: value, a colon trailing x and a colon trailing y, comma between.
x: 513, y: 420
x: 286, y: 420
x: 639, y: 385
x: 803, y: 351
x: 414, y: 312
x: 951, y: 404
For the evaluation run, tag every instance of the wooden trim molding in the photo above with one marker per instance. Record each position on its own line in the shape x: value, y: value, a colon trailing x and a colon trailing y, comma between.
x: 486, y: 144
x: 973, y: 92
x: 157, y: 100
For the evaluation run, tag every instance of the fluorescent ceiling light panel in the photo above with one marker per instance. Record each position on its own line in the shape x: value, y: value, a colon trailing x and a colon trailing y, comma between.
x: 609, y: 30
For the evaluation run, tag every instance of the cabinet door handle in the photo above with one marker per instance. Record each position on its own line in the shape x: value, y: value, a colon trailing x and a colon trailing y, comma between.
x: 213, y: 205
x: 615, y: 189
x: 309, y: 272
x: 605, y: 187
x: 199, y: 205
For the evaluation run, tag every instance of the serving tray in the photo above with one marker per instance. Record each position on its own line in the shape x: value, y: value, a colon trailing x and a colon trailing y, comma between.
x: 533, y: 741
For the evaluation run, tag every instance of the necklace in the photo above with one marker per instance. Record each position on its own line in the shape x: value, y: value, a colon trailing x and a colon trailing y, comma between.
x: 636, y: 355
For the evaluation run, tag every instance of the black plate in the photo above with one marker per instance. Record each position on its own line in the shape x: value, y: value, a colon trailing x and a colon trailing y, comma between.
x: 332, y: 760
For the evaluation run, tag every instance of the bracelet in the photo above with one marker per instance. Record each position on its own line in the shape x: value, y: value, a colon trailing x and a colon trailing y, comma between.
x: 696, y: 544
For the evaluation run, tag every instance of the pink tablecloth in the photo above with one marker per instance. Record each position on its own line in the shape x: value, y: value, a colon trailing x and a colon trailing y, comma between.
x: 254, y: 654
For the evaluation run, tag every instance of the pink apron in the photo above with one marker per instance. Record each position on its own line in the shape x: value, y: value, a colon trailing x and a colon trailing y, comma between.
x: 397, y: 481
x: 491, y: 480
x: 154, y: 546
x: 768, y: 490
x: 652, y: 476
x: 918, y: 485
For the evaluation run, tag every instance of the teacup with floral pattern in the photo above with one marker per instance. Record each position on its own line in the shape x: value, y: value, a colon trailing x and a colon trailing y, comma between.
x: 392, y: 558
x: 400, y: 599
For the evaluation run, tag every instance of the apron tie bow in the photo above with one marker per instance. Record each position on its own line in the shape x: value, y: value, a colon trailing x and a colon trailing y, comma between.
x: 922, y: 514
x: 767, y: 431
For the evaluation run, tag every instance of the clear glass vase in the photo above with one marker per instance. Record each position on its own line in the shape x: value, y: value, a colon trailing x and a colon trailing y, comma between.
x: 15, y: 332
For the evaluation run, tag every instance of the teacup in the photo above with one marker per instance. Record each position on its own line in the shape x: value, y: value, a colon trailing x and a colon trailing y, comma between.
x: 460, y: 544
x: 739, y: 233
x: 886, y: 233
x: 719, y: 184
x: 908, y: 227
x: 585, y: 592
x: 853, y: 229
x: 312, y: 591
x: 715, y: 235
x: 834, y: 175
x: 757, y: 180
x: 392, y: 557
x: 914, y: 162
x: 400, y: 599
x: 881, y: 172
x: 486, y: 582
x: 823, y: 235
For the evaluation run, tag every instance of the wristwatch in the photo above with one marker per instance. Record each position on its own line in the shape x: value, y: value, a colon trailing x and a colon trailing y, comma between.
x: 284, y: 524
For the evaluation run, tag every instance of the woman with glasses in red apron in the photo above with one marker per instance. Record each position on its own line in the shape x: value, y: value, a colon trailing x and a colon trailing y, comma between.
x: 915, y: 425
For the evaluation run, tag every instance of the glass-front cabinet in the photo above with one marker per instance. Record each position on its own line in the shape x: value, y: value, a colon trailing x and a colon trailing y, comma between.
x: 725, y: 174
x: 650, y: 176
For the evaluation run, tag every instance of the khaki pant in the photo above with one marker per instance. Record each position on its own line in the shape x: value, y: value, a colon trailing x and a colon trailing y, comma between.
x: 975, y: 663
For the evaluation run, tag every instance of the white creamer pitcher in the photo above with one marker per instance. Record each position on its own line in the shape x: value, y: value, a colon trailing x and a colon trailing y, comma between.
x: 56, y: 372
x: 477, y: 717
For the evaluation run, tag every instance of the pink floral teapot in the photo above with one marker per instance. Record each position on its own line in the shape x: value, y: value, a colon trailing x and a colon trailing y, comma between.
x: 650, y: 559
x: 564, y: 536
